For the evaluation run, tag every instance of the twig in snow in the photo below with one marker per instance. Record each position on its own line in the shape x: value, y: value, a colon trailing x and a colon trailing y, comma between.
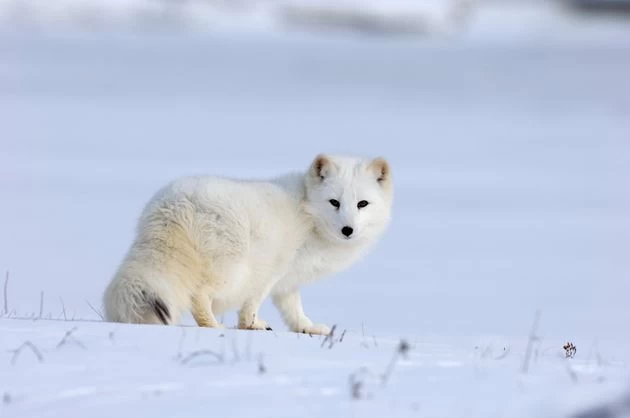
x: 31, y: 346
x: 6, y: 294
x: 63, y: 309
x: 363, y: 343
x: 356, y: 386
x: 41, y: 304
x: 68, y: 337
x: 343, y: 334
x: 329, y: 338
x: 94, y: 309
x: 261, y: 365
x: 506, y: 351
x: 200, y: 353
x: 357, y: 383
x: 532, y: 338
x: 402, y: 350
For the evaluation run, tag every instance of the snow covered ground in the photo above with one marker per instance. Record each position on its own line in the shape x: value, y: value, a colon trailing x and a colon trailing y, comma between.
x: 105, y: 370
x: 511, y: 160
x: 470, y: 19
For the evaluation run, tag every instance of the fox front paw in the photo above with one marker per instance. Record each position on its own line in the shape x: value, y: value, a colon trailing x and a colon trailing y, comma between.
x: 316, y: 329
x: 256, y: 324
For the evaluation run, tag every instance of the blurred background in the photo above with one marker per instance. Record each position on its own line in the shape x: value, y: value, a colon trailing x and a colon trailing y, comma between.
x: 506, y: 124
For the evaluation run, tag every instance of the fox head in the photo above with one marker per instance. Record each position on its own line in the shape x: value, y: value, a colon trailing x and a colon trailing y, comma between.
x: 349, y: 198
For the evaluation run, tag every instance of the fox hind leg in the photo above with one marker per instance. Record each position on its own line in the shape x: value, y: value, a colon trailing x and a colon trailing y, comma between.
x: 202, y: 308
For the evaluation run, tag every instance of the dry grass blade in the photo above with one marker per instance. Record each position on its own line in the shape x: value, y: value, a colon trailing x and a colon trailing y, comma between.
x: 63, y: 309
x: 6, y: 294
x: 95, y: 310
x: 29, y: 345
x: 41, y: 304
x: 329, y: 338
x: 201, y: 353
x: 261, y: 365
x: 401, y: 350
x: 504, y: 354
x: 532, y: 338
x: 356, y: 382
x: 68, y: 337
x: 356, y: 387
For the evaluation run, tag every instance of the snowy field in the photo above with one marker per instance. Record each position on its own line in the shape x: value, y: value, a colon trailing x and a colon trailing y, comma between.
x: 511, y: 161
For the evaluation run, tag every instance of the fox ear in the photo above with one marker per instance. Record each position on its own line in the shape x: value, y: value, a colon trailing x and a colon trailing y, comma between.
x: 380, y: 167
x: 321, y: 167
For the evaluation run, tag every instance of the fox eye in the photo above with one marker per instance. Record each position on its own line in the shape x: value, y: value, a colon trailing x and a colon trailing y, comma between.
x: 362, y: 204
x: 335, y: 203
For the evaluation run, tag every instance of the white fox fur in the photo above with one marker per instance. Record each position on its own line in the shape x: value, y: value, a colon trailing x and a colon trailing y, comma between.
x: 207, y: 245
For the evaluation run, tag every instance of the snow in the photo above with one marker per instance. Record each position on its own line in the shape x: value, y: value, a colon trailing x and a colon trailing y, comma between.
x: 470, y: 19
x: 104, y: 370
x: 511, y: 162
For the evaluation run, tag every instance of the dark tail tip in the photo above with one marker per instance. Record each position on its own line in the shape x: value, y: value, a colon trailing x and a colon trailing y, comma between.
x: 158, y: 306
x: 161, y: 310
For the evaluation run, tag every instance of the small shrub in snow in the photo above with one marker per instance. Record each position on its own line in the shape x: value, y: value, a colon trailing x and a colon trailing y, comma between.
x: 569, y: 350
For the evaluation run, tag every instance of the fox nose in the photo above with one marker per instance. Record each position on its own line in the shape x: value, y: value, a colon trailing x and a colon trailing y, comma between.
x: 347, y: 231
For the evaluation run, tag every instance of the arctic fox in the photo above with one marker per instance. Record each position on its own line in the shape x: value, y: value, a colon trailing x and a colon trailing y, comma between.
x: 207, y: 245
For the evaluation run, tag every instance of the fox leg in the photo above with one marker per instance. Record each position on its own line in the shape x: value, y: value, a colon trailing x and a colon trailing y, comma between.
x: 290, y: 306
x: 248, y: 316
x: 202, y: 309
